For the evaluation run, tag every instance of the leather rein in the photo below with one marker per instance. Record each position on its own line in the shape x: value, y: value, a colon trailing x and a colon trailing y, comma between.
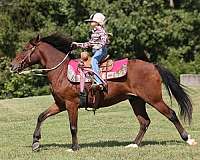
x: 40, y: 70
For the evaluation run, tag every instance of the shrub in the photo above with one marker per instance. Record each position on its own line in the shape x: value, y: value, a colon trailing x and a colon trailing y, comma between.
x: 14, y: 85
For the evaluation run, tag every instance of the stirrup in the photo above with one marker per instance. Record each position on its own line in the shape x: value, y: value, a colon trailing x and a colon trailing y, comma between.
x: 97, y: 86
x: 100, y: 87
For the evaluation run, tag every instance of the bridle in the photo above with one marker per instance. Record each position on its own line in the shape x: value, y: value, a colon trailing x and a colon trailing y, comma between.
x: 30, y: 52
x: 39, y: 70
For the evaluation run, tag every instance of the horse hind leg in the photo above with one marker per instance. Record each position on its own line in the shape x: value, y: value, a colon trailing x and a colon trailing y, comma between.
x: 138, y: 106
x: 171, y: 115
x: 52, y: 110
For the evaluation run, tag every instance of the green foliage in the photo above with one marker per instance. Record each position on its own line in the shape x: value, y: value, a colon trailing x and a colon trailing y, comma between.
x: 168, y: 35
x: 14, y: 85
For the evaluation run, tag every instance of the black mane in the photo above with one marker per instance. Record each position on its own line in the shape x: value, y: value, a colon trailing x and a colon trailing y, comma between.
x: 59, y: 41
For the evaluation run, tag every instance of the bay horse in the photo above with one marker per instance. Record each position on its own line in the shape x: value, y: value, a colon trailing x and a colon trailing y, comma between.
x: 141, y: 85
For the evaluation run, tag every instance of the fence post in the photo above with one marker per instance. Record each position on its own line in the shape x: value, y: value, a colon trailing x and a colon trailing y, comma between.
x: 190, y: 79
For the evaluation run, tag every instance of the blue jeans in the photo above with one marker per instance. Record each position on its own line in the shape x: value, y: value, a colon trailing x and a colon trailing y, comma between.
x: 99, y: 54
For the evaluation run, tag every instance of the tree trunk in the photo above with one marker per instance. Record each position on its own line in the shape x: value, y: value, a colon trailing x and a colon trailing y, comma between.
x: 171, y: 3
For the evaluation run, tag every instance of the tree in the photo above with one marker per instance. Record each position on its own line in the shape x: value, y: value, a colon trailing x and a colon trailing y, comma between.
x: 172, y: 3
x: 167, y: 35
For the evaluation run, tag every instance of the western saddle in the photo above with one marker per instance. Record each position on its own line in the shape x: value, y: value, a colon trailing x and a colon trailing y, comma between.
x: 106, y: 64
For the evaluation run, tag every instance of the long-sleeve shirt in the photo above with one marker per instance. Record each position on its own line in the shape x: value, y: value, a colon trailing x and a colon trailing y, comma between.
x: 99, y: 39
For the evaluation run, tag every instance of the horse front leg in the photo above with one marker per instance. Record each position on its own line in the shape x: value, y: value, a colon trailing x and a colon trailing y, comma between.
x: 138, y: 106
x: 72, y: 109
x: 52, y: 110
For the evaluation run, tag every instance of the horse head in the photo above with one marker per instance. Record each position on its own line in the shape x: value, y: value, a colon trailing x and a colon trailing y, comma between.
x: 27, y: 57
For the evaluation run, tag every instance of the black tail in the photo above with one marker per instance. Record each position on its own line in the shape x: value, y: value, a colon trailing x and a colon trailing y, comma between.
x: 174, y: 88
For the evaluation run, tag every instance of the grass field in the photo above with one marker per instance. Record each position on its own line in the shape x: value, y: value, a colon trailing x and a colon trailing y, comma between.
x: 102, y: 136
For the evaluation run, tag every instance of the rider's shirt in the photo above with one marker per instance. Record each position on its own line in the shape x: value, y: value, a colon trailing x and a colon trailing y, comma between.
x: 99, y: 39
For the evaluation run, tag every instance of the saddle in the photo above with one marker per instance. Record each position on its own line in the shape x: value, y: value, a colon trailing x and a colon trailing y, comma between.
x: 105, y: 65
x: 109, y: 69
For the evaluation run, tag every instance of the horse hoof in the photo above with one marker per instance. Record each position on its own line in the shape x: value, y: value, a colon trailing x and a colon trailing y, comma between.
x: 132, y: 146
x: 191, y: 141
x: 36, y: 146
x: 75, y: 147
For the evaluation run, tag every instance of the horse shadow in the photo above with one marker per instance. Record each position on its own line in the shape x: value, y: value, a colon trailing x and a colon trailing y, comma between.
x: 112, y: 143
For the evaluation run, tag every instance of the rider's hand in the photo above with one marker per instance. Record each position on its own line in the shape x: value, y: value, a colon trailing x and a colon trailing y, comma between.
x: 74, y: 45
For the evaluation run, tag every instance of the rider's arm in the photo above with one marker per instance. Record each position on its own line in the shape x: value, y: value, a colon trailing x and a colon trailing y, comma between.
x: 98, y: 39
x: 85, y: 45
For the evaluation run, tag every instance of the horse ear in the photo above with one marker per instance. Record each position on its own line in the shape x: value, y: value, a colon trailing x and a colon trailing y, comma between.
x: 35, y: 41
x: 37, y: 38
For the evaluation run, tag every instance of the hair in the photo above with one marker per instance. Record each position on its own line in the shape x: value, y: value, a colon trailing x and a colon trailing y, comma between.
x: 59, y: 41
x: 174, y: 88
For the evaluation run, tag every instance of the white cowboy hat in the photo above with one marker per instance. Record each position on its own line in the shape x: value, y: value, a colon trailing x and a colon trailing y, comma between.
x: 97, y: 17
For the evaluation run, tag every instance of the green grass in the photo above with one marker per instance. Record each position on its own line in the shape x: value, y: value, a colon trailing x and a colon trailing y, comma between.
x: 102, y: 136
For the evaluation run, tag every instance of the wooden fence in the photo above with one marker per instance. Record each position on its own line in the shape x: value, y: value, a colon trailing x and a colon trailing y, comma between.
x: 190, y: 79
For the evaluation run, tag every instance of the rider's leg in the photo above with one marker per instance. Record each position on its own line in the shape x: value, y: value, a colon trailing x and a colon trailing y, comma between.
x: 97, y: 57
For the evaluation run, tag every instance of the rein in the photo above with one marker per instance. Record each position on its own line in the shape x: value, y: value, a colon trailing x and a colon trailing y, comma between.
x: 45, y: 69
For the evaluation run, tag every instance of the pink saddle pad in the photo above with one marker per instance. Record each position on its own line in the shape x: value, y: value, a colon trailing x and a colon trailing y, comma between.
x: 118, y: 70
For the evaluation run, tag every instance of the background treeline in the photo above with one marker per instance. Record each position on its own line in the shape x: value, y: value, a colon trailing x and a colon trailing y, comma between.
x: 166, y: 34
